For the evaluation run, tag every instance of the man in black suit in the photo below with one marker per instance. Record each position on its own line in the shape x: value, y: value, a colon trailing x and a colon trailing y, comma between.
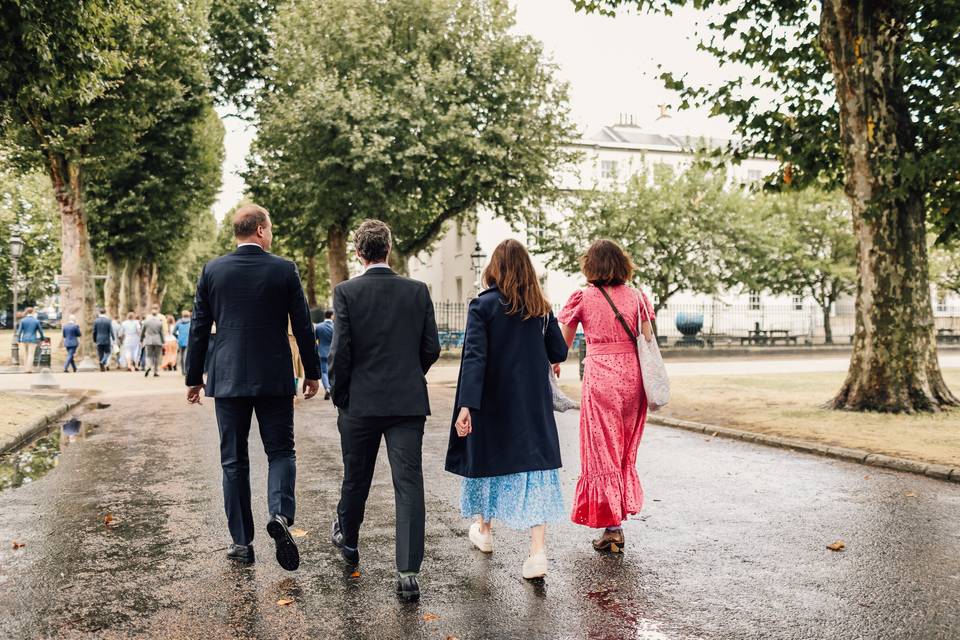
x: 384, y: 342
x: 103, y: 337
x: 250, y: 294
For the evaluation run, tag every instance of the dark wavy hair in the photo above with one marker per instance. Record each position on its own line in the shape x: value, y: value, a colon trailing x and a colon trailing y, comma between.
x: 606, y: 263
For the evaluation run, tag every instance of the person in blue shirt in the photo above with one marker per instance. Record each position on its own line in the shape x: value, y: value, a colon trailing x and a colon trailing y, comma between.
x: 324, y: 338
x: 181, y: 331
x: 29, y: 334
x: 71, y: 340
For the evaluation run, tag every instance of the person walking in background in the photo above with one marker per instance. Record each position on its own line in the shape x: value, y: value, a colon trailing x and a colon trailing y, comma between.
x: 130, y: 334
x: 181, y: 332
x: 116, y: 347
x: 29, y: 334
x: 71, y: 340
x: 503, y: 439
x: 384, y: 342
x: 151, y: 336
x: 613, y: 407
x: 324, y: 332
x: 169, y: 362
x: 251, y: 295
x: 104, y: 337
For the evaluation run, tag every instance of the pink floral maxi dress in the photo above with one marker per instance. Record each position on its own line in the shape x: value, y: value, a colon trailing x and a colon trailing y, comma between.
x: 613, y: 408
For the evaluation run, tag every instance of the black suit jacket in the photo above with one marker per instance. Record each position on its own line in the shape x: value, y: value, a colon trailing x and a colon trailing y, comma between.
x: 102, y: 331
x: 384, y: 342
x: 250, y: 294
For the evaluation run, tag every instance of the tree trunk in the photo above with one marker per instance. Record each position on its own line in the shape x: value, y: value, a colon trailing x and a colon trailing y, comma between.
x: 337, y: 255
x: 154, y: 298
x: 312, y: 280
x: 143, y: 289
x: 111, y: 287
x: 827, y: 329
x: 894, y: 364
x: 78, y: 297
x: 127, y: 289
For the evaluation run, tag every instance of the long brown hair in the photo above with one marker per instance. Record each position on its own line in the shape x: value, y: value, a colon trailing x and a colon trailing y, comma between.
x: 511, y: 271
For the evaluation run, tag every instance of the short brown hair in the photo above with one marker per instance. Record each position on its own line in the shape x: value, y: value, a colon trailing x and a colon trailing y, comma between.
x: 512, y: 272
x: 606, y: 263
x: 373, y: 240
x: 247, y: 219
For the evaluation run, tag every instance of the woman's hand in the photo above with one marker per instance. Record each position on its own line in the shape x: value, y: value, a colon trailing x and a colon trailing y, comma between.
x: 647, y: 329
x: 464, y: 423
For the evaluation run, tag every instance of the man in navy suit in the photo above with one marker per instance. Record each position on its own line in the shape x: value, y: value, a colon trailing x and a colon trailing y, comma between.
x: 251, y: 295
x: 324, y: 338
x: 103, y: 337
x: 384, y: 342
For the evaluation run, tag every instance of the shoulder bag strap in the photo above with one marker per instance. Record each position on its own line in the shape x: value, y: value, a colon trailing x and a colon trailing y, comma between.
x: 623, y: 322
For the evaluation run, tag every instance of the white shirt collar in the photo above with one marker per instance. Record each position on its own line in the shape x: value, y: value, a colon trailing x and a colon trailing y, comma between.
x: 376, y: 265
x: 250, y: 244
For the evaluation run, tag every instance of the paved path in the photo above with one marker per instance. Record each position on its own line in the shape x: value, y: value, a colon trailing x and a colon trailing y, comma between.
x: 731, y: 544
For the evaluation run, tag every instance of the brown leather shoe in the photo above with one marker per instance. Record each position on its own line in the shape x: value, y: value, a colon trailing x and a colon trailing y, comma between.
x: 610, y: 542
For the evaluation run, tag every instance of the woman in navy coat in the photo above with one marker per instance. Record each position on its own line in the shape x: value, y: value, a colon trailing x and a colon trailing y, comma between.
x: 503, y: 440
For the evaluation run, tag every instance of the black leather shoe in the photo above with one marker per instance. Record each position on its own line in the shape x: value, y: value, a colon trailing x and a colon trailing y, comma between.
x: 408, y: 588
x: 288, y: 556
x: 241, y: 553
x: 350, y: 556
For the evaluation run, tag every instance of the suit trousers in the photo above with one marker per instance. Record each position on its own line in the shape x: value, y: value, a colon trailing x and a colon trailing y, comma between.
x: 275, y: 418
x: 103, y: 354
x: 360, y: 442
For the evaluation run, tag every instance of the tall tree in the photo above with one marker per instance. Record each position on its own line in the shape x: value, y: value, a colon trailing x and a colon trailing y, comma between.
x: 62, y: 65
x: 865, y: 95
x: 682, y: 229
x: 413, y: 111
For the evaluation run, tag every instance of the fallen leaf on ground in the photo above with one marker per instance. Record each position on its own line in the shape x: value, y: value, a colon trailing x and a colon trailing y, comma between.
x: 910, y: 494
x: 714, y: 434
x: 429, y: 617
x: 107, y: 519
x: 839, y: 545
x: 452, y: 638
x: 298, y: 533
x: 282, y: 602
x: 355, y: 574
x: 17, y: 545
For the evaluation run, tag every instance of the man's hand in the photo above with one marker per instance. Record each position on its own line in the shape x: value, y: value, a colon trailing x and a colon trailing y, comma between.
x: 310, y: 388
x: 464, y: 423
x: 556, y: 370
x: 193, y: 394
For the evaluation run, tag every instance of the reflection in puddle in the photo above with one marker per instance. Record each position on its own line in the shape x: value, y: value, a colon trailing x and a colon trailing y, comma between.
x: 25, y: 465
x: 624, y: 610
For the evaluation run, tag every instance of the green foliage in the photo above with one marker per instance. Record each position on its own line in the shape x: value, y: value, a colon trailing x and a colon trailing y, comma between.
x: 27, y: 207
x: 684, y: 231
x: 239, y: 43
x: 413, y: 111
x: 809, y: 247
x: 784, y: 102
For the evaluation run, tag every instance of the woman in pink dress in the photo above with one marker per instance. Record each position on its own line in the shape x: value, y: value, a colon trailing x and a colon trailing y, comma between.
x: 613, y: 408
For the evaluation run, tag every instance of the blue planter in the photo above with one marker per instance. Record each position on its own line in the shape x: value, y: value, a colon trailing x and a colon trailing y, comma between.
x: 689, y: 324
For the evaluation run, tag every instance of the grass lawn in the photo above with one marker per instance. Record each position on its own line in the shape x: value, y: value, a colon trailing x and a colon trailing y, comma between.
x: 19, y: 409
x: 789, y: 405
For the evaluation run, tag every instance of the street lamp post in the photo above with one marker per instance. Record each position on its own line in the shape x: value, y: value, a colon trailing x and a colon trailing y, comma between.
x: 16, y: 250
x: 478, y: 257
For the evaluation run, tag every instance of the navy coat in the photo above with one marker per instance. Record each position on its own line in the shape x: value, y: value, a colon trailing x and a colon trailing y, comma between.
x: 71, y: 335
x: 503, y: 380
x: 103, y: 331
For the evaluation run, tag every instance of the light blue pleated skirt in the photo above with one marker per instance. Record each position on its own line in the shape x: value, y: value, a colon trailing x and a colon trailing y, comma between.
x: 518, y: 500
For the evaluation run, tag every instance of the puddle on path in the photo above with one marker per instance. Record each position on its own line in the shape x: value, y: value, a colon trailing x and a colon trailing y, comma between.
x: 32, y: 462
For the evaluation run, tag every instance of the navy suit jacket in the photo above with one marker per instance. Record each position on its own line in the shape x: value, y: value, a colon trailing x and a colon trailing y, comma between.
x: 71, y: 334
x: 103, y: 331
x: 384, y: 342
x: 250, y: 294
x: 503, y: 381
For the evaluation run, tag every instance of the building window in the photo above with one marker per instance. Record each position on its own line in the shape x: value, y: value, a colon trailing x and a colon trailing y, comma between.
x: 535, y: 230
x: 459, y: 236
x: 798, y: 303
x: 754, y: 301
x: 941, y: 302
x: 608, y: 169
x: 753, y: 175
x: 459, y: 289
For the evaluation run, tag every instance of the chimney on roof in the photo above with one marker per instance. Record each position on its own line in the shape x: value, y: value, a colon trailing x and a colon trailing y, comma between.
x: 626, y: 120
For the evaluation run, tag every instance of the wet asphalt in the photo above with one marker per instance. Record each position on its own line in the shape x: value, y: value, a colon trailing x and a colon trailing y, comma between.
x: 731, y: 544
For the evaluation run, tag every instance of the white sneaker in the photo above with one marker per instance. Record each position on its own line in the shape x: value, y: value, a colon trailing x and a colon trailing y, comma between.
x: 479, y: 540
x: 535, y: 566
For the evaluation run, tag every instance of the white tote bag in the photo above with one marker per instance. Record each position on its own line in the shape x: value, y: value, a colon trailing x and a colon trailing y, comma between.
x: 655, y: 382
